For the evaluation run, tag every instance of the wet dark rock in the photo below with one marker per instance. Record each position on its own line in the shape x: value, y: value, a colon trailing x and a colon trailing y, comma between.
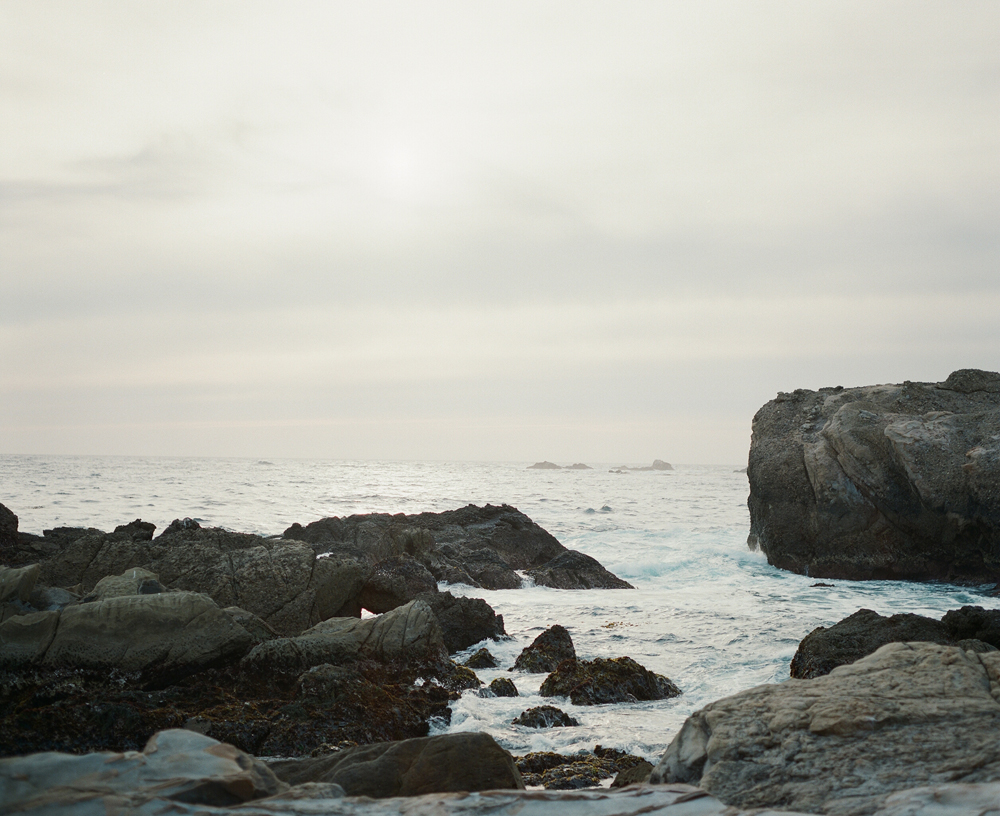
x: 862, y: 633
x: 464, y: 621
x: 481, y: 659
x: 880, y: 482
x: 445, y: 763
x: 618, y: 680
x: 574, y: 771
x: 545, y: 716
x: 8, y: 533
x: 138, y: 529
x: 546, y: 651
x: 394, y: 582
x: 500, y: 687
x: 575, y: 570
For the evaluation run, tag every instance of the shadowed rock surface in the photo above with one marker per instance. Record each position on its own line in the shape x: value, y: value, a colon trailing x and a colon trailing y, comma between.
x: 841, y: 744
x: 464, y: 621
x: 394, y: 582
x: 617, y: 680
x: 450, y: 762
x: 862, y: 633
x: 500, y: 687
x: 481, y: 659
x: 881, y: 482
x: 575, y: 570
x: 546, y: 651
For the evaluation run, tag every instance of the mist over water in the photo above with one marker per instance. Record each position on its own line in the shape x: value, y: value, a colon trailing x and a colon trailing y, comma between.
x: 706, y: 612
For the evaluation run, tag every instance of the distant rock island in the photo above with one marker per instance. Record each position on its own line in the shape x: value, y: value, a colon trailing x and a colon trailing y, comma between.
x: 553, y: 466
x: 658, y: 464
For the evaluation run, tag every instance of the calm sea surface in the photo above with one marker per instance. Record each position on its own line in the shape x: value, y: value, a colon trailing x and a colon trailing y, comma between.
x: 707, y: 612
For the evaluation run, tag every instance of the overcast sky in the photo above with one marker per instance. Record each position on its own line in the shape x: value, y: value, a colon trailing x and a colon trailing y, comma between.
x: 575, y: 231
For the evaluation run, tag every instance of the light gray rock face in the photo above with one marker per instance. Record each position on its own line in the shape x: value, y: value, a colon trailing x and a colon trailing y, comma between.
x: 16, y: 584
x: 880, y: 482
x: 409, y: 632
x: 176, y: 766
x: 909, y: 715
x: 136, y: 581
x: 172, y: 634
x: 450, y: 762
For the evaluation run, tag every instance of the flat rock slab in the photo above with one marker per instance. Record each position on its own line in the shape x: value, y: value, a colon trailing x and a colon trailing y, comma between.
x: 910, y: 715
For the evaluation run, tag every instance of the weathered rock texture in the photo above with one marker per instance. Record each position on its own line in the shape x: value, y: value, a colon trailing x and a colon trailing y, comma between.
x: 450, y: 762
x: 545, y: 716
x: 881, y: 482
x: 408, y: 632
x: 907, y: 716
x: 616, y: 680
x: 862, y: 633
x: 464, y: 621
x: 576, y: 570
x: 170, y: 634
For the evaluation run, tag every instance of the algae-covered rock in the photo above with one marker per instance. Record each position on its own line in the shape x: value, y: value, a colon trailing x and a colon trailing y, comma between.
x: 617, y: 680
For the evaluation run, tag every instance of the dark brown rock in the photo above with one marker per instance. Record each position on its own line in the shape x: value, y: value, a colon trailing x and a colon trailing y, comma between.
x: 546, y: 651
x: 464, y: 621
x: 394, y: 582
x: 500, y: 687
x: 441, y: 764
x: 545, y: 716
x: 618, y: 680
x: 481, y: 659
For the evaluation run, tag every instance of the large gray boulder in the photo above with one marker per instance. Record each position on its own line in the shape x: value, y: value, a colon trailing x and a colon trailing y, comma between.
x: 907, y: 716
x: 169, y: 634
x: 880, y: 482
x: 407, y: 633
x: 449, y: 762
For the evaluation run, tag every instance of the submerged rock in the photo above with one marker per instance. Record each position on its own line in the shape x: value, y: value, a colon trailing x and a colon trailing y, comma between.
x: 546, y: 651
x: 617, y: 680
x: 880, y: 482
x: 545, y: 716
x: 845, y: 742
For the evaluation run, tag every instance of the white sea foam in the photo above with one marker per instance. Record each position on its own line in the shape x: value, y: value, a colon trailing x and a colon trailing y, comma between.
x: 706, y: 612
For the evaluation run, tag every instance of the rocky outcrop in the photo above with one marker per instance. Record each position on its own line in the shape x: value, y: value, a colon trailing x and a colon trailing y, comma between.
x: 282, y: 582
x: 546, y: 651
x: 450, y: 762
x: 8, y: 533
x: 169, y: 635
x: 17, y: 583
x: 880, y: 482
x: 464, y: 621
x: 407, y: 633
x: 395, y: 582
x: 844, y: 743
x: 545, y: 716
x: 862, y: 633
x: 481, y: 659
x: 546, y: 465
x: 575, y: 570
x: 616, y: 680
x: 581, y: 770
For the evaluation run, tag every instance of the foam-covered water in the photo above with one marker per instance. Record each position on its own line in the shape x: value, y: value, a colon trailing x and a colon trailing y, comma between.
x: 706, y: 612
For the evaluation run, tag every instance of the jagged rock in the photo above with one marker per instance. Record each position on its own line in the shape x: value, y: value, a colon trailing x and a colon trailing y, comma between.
x: 880, y: 482
x: 409, y: 632
x: 8, y: 533
x: 843, y: 743
x: 860, y: 634
x: 138, y: 529
x: 545, y: 716
x: 450, y: 762
x: 573, y: 772
x: 618, y: 680
x: 546, y: 651
x: 170, y: 635
x: 464, y: 621
x: 575, y: 570
x: 481, y: 659
x: 500, y: 687
x: 394, y: 582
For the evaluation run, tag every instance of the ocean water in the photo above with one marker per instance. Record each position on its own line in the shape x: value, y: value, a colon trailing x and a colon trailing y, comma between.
x: 706, y: 612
